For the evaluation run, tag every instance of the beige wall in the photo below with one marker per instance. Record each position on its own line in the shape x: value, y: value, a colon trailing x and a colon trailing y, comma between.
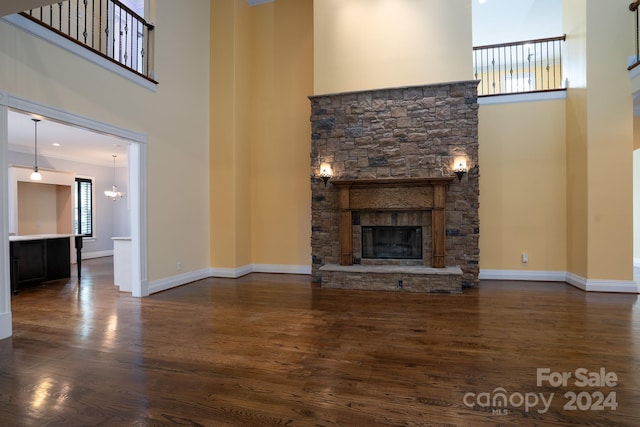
x: 360, y: 44
x: 610, y: 123
x: 599, y: 140
x: 282, y: 66
x: 37, y: 208
x: 522, y: 186
x: 574, y: 15
x: 44, y: 208
x: 260, y: 133
x: 230, y: 104
x: 175, y: 120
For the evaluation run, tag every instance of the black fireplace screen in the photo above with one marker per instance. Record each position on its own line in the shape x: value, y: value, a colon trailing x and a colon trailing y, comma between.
x: 392, y: 242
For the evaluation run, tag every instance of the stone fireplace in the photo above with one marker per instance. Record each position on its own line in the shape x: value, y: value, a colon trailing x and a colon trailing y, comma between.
x: 393, y: 215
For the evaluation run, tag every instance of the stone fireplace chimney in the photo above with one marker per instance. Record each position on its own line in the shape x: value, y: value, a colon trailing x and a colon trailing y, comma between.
x: 392, y: 153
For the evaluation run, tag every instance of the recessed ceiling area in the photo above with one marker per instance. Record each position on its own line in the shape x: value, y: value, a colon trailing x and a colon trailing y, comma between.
x: 63, y: 141
x: 502, y: 21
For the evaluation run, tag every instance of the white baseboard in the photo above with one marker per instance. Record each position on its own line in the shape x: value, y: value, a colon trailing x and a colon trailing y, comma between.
x: 179, y: 280
x: 280, y: 269
x: 5, y: 325
x: 97, y: 254
x: 234, y: 273
x: 228, y: 273
x: 588, y: 285
x: 591, y: 285
x: 534, y: 275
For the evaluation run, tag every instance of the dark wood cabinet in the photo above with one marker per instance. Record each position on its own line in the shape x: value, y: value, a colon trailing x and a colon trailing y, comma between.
x: 34, y: 262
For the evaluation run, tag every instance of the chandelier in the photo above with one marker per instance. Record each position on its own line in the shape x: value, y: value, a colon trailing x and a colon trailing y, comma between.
x: 114, y: 193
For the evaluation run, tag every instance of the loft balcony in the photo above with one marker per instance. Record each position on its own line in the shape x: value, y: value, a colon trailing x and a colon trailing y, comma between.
x: 111, y: 30
x: 106, y: 28
x: 519, y: 67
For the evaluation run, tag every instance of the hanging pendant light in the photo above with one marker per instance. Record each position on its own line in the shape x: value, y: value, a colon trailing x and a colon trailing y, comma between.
x: 114, y: 193
x: 35, y: 175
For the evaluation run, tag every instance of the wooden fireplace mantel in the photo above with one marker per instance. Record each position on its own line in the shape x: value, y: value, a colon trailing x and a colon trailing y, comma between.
x: 393, y: 194
x: 392, y: 182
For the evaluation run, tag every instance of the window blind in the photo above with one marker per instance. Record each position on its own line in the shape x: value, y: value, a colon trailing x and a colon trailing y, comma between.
x: 84, y: 207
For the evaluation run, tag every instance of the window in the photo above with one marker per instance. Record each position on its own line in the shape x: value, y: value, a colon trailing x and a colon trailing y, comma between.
x: 83, y: 223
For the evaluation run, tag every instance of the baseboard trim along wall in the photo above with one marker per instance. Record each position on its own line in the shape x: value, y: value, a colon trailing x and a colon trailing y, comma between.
x: 230, y: 273
x: 179, y: 280
x: 589, y: 285
x: 226, y: 273
x: 280, y: 269
x: 533, y: 275
x: 97, y: 254
x: 234, y: 273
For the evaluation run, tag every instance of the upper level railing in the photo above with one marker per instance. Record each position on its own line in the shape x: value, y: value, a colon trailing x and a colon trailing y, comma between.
x: 519, y: 67
x: 633, y: 7
x: 107, y: 27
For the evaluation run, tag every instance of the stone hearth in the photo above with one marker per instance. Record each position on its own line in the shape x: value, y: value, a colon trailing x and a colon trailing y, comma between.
x: 392, y: 278
x: 392, y: 152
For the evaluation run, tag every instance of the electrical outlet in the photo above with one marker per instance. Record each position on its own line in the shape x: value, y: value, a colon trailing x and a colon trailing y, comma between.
x: 525, y: 258
x: 179, y: 266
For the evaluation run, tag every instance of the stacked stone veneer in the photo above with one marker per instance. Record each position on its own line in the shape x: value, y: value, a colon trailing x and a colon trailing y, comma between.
x: 397, y: 133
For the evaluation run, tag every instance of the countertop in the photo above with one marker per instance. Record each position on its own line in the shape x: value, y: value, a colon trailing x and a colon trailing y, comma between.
x: 27, y: 237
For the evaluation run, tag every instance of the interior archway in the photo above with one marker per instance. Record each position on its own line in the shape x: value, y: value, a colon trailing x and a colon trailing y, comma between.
x: 137, y: 192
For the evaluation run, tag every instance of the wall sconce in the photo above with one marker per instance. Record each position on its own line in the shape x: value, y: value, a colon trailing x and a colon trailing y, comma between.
x: 325, y: 173
x: 461, y: 169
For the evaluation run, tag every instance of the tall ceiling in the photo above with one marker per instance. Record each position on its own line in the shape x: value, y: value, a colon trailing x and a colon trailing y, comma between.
x: 500, y: 21
x: 71, y: 143
x: 494, y: 21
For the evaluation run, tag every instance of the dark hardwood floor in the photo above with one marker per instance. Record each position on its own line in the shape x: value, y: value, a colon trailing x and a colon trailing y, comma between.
x: 269, y: 350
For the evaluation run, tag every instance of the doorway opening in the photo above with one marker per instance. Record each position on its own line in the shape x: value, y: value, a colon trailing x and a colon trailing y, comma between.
x: 136, y: 164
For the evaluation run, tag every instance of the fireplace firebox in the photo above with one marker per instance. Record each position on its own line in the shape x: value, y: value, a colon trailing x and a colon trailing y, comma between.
x: 391, y: 242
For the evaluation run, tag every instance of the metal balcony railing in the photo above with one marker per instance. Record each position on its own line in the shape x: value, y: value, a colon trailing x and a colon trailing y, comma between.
x: 519, y: 67
x: 106, y: 27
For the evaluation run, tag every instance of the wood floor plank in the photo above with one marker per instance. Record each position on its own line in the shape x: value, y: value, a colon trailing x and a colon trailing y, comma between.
x: 273, y: 350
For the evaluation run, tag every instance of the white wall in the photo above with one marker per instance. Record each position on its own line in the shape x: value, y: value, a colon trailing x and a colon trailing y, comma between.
x: 500, y: 21
x: 636, y: 208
